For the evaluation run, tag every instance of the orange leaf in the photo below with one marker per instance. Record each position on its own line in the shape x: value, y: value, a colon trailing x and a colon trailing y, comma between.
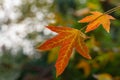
x: 67, y: 39
x: 96, y: 19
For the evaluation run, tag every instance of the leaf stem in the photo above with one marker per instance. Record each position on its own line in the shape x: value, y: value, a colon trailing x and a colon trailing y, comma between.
x: 112, y: 10
x: 83, y: 28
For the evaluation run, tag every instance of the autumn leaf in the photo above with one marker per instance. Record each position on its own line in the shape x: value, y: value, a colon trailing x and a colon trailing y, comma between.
x: 68, y: 39
x: 96, y: 19
x: 103, y: 76
x: 52, y: 55
x: 82, y: 64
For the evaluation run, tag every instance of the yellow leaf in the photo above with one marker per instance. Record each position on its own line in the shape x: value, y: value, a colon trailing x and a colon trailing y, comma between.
x: 52, y: 56
x: 103, y: 76
x: 85, y: 66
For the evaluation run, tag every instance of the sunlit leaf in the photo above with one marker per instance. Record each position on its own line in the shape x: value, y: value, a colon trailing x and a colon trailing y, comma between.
x: 67, y: 39
x: 96, y: 19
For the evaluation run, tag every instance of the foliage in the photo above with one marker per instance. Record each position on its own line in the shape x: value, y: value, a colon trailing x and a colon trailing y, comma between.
x: 69, y: 38
x: 104, y: 47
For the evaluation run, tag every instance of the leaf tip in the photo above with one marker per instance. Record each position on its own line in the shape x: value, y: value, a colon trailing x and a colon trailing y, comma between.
x: 78, y: 21
x: 86, y: 31
x: 41, y: 47
x: 108, y: 31
x: 89, y: 57
x: 81, y: 21
x: 58, y: 70
x: 48, y: 27
x: 57, y: 75
x: 38, y: 48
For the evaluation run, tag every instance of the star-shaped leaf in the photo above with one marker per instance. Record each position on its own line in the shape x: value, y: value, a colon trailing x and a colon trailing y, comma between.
x: 96, y: 19
x: 68, y: 39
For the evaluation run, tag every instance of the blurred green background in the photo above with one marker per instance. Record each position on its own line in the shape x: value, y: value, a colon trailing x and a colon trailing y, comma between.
x: 22, y: 28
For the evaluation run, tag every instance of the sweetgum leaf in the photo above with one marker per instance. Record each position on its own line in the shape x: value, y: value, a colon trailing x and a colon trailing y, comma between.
x: 68, y: 39
x: 96, y: 19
